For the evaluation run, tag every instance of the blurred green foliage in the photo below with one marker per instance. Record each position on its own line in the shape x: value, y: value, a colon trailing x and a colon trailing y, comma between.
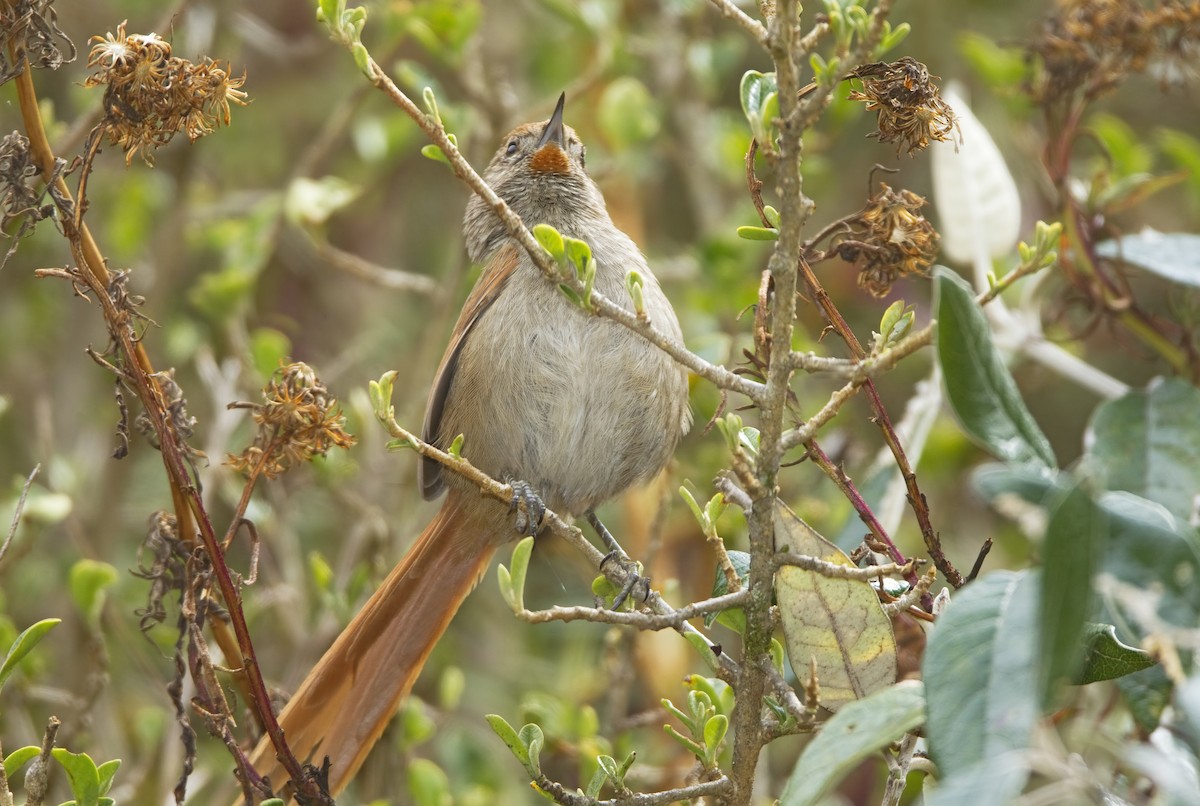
x: 234, y: 286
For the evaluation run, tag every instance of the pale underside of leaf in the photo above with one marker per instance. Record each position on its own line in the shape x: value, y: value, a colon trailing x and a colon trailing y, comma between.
x: 837, y: 622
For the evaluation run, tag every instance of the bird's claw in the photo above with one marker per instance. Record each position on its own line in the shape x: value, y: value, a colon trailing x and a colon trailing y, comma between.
x: 528, y: 506
x: 635, y: 583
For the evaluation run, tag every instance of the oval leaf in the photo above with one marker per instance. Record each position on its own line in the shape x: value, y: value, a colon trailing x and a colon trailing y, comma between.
x: 83, y: 775
x: 837, y: 622
x: 973, y: 191
x: 1075, y: 538
x: 982, y: 662
x: 25, y: 642
x: 1174, y: 256
x: 1106, y: 658
x: 851, y: 735
x: 980, y: 389
x: 1147, y: 443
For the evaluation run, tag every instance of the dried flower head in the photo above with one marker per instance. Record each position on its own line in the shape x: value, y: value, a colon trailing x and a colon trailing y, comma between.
x: 20, y: 193
x: 1091, y: 46
x: 297, y: 420
x: 151, y: 95
x: 888, y: 239
x: 911, y: 112
x: 29, y: 28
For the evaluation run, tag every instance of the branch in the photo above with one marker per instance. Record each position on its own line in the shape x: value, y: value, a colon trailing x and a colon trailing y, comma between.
x: 643, y: 621
x: 752, y: 26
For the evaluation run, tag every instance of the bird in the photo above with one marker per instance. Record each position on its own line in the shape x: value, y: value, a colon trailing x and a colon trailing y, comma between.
x: 570, y: 407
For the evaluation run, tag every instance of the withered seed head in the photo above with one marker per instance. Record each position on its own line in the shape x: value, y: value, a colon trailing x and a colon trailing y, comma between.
x: 297, y: 420
x: 911, y: 112
x: 888, y: 239
x: 152, y: 95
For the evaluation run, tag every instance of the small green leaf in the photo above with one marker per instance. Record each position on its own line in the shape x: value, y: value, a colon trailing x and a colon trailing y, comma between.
x: 428, y: 783
x: 520, y: 567
x: 362, y: 58
x: 88, y: 579
x: 596, y: 784
x: 551, y: 241
x: 851, y: 735
x: 714, y: 733
x: 978, y: 384
x: 634, y: 282
x: 435, y: 153
x: 758, y: 233
x: 511, y: 739
x: 1106, y: 657
x: 312, y: 202
x: 268, y: 348
x: 609, y: 765
x: 506, y: 587
x: 755, y: 88
x: 82, y: 774
x: 431, y: 104
x: 19, y: 758
x: 578, y: 253
x: 772, y: 215
x: 456, y: 446
x: 106, y: 772
x: 320, y: 571
x: 734, y: 618
x: 25, y: 642
x: 533, y: 739
x: 380, y: 392
x: 700, y: 643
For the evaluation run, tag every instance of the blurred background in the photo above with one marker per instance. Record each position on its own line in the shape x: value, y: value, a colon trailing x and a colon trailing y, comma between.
x: 242, y: 262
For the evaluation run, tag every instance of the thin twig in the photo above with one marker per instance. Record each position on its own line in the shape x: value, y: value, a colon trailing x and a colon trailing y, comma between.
x: 752, y: 26
x: 16, y: 519
x: 643, y: 621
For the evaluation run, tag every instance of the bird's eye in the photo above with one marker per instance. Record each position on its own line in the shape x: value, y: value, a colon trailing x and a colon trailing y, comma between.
x: 512, y: 148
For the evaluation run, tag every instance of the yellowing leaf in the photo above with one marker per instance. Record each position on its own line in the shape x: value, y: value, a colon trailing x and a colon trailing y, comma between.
x: 838, y: 622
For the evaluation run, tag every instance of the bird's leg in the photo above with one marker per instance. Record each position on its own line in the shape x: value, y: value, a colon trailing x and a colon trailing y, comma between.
x: 634, y: 581
x: 528, y: 506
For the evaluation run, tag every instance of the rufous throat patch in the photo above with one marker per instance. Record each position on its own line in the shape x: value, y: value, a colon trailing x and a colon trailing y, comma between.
x: 550, y: 159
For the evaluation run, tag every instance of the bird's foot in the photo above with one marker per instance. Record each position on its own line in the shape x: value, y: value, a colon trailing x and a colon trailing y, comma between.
x: 635, y: 585
x: 528, y: 506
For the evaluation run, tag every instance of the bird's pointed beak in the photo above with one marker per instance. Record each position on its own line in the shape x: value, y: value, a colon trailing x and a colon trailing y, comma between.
x: 553, y: 133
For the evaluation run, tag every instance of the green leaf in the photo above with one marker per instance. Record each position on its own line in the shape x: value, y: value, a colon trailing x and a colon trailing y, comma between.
x: 714, y: 733
x: 106, y: 772
x: 839, y: 623
x: 551, y: 241
x: 700, y: 644
x: 758, y: 233
x: 82, y: 774
x: 19, y: 758
x: 579, y: 253
x: 533, y: 739
x: 511, y: 739
x: 25, y: 642
x: 520, y: 567
x: 1147, y: 693
x: 1076, y: 534
x: 428, y: 783
x: 1106, y: 658
x: 982, y: 662
x: 1174, y: 256
x: 311, y: 202
x: 1147, y: 443
x: 734, y: 618
x: 851, y: 735
x: 268, y: 348
x: 627, y: 113
x: 87, y: 581
x: 755, y: 89
x: 978, y: 385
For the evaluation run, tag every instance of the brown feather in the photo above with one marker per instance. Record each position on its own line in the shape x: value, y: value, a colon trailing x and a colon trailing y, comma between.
x: 499, y: 268
x: 344, y: 704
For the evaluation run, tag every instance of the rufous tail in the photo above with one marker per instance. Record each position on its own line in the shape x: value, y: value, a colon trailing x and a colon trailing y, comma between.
x: 344, y: 704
